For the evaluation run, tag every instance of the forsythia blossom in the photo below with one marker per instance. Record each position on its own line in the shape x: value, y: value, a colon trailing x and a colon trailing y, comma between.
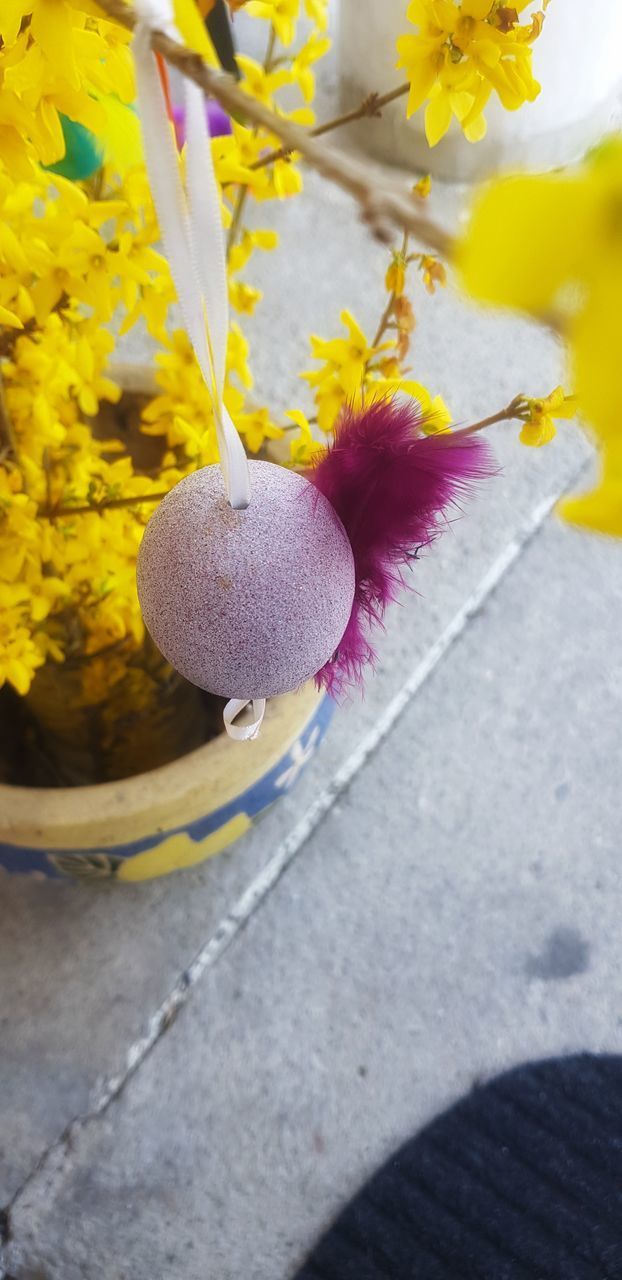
x: 463, y: 51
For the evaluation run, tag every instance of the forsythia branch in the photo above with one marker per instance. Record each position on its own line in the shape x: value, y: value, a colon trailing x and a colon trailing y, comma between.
x: 370, y: 106
x: 90, y: 508
x: 384, y: 203
x: 512, y: 410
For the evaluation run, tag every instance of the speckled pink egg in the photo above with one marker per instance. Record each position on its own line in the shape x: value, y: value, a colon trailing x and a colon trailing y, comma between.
x: 246, y: 604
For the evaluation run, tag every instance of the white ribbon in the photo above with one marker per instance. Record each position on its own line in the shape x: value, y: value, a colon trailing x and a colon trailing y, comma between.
x: 191, y: 229
x: 234, y: 708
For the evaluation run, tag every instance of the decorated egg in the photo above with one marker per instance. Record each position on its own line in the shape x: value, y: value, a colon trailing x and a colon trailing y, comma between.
x: 246, y: 603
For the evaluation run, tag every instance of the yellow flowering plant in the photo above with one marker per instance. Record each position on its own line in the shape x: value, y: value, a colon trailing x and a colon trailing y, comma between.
x: 463, y: 51
x: 81, y: 463
x: 79, y: 263
x: 565, y: 269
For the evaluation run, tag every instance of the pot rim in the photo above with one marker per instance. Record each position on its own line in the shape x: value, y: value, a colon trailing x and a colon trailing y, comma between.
x: 205, y: 779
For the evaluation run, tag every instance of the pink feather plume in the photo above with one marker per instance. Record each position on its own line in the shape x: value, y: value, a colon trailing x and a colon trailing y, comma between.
x: 391, y: 485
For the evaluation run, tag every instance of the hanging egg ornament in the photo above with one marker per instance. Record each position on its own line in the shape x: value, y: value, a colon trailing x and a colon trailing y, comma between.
x: 246, y: 603
x: 253, y: 579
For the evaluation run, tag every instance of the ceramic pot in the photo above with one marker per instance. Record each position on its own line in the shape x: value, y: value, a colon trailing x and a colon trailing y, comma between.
x: 172, y: 817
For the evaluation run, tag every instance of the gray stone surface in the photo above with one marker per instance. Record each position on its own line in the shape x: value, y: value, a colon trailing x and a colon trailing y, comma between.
x: 456, y: 912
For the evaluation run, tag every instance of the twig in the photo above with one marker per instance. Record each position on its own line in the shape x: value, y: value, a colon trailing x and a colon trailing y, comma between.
x: 8, y: 439
x: 384, y: 203
x: 242, y: 196
x: 370, y: 106
x: 236, y: 218
x: 511, y: 411
x: 268, y: 61
x: 90, y: 508
x: 383, y: 323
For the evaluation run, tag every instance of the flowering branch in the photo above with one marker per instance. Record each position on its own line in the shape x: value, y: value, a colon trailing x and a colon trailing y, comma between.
x: 515, y: 409
x: 242, y: 196
x: 384, y: 203
x: 385, y: 318
x: 370, y: 107
x: 90, y: 508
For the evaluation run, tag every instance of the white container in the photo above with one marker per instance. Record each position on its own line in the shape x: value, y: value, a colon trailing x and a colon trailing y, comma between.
x: 576, y: 59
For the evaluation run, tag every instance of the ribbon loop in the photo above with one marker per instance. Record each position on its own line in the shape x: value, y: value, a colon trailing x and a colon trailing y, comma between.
x: 234, y: 708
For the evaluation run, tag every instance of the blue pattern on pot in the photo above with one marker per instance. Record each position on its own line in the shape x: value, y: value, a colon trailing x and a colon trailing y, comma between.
x: 158, y: 854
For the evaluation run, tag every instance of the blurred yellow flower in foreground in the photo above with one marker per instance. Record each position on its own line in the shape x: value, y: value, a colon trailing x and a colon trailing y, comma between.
x: 460, y: 55
x: 552, y: 246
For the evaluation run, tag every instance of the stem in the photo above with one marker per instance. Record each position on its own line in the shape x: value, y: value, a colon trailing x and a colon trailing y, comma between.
x: 269, y: 54
x: 242, y: 196
x: 512, y: 410
x: 384, y: 321
x: 370, y: 106
x: 238, y: 211
x: 388, y: 311
x: 58, y: 513
x: 384, y: 202
x: 8, y: 439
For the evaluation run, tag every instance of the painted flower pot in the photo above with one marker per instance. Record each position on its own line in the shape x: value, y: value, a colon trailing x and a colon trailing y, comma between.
x: 576, y: 60
x: 170, y: 818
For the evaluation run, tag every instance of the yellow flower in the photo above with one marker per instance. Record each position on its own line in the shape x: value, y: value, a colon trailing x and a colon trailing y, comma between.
x: 56, y: 57
x: 539, y: 425
x: 317, y: 10
x: 552, y: 245
x: 436, y: 415
x: 259, y: 83
x: 600, y: 510
x: 257, y: 426
x: 193, y: 30
x: 283, y: 14
x: 460, y: 55
x: 423, y: 187
x: 244, y: 297
x: 395, y: 278
x: 250, y: 240
x: 303, y: 448
x: 19, y: 655
x: 242, y: 150
x: 315, y: 48
x: 433, y: 272
x: 344, y: 365
x: 406, y: 324
x: 8, y: 317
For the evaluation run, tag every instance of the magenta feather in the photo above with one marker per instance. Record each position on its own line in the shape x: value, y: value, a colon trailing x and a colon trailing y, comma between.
x: 391, y: 485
